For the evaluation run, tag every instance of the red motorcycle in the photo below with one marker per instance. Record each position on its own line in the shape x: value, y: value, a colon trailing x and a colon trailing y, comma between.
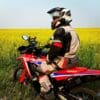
x: 66, y: 82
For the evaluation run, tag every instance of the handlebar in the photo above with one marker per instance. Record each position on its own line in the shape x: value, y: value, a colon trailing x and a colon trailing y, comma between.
x: 33, y: 47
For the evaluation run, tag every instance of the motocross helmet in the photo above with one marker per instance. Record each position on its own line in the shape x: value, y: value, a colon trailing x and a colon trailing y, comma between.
x: 60, y: 16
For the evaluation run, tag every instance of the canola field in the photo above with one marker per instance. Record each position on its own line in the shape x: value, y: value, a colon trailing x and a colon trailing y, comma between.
x: 11, y: 39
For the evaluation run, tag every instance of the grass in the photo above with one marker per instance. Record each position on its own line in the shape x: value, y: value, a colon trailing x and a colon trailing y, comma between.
x: 10, y: 40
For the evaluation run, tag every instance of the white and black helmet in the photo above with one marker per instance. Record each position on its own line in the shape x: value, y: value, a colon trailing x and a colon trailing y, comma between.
x: 63, y: 14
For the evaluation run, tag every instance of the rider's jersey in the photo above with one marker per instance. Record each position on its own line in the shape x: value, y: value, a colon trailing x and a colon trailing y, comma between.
x: 65, y: 43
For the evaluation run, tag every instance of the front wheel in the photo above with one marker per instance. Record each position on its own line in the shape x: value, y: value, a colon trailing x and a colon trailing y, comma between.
x: 23, y: 91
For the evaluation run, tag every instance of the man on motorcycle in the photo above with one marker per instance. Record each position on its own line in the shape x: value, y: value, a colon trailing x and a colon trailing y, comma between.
x: 64, y: 47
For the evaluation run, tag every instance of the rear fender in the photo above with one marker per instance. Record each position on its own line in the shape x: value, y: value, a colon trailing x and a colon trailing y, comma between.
x: 74, y: 72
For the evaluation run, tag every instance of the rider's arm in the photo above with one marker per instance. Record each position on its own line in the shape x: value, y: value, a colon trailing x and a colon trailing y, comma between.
x: 57, y: 44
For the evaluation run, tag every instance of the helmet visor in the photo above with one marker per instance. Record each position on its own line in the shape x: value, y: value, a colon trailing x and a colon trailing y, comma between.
x: 55, y: 14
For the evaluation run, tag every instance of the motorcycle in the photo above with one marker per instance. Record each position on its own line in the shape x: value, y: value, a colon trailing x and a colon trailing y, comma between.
x: 67, y: 83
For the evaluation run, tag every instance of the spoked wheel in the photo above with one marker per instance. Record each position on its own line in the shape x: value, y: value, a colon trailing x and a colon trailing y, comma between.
x: 83, y: 93
x: 23, y: 91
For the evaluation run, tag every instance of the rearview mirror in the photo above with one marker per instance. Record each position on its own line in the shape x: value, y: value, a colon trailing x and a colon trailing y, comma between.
x: 25, y: 37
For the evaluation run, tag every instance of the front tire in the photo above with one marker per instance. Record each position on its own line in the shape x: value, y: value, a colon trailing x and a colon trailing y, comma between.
x: 23, y: 91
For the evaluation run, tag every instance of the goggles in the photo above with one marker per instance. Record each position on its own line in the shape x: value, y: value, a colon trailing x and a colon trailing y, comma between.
x: 55, y: 14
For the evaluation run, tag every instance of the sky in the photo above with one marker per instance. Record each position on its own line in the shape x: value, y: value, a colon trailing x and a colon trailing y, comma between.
x: 32, y: 13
